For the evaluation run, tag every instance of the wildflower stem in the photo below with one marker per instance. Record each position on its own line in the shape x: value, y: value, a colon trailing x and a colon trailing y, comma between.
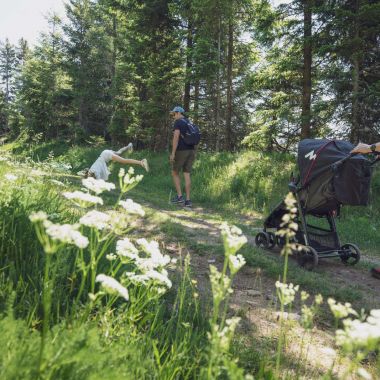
x: 281, y: 336
x: 46, y: 303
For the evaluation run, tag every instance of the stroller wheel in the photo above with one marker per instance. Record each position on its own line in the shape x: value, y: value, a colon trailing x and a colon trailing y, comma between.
x: 280, y: 241
x: 307, y: 258
x: 351, y: 254
x: 262, y: 240
x: 272, y: 240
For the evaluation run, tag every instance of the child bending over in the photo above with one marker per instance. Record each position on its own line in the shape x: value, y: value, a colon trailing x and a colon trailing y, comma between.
x: 99, y: 169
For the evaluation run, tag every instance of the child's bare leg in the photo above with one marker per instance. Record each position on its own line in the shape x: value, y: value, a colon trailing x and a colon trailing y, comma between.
x: 128, y: 161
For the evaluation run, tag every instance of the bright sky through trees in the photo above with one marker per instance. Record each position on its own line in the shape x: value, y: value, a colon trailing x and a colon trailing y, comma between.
x: 26, y: 18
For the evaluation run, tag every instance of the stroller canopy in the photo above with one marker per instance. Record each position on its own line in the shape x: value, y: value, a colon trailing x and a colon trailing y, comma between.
x: 328, y: 180
x: 315, y: 156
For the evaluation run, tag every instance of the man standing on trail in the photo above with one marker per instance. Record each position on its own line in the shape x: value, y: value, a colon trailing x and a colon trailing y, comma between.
x: 181, y: 157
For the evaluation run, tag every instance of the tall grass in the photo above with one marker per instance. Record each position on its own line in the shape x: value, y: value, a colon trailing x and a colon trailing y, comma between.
x: 89, y: 333
x: 60, y: 324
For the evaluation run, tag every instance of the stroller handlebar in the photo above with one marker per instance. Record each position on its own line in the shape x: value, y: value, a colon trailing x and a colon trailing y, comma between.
x: 339, y: 163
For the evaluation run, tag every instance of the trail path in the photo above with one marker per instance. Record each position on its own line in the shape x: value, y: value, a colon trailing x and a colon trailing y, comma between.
x: 254, y: 294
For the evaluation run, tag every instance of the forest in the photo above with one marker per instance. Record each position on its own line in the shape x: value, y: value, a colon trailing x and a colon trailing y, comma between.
x: 249, y: 73
x: 103, y: 276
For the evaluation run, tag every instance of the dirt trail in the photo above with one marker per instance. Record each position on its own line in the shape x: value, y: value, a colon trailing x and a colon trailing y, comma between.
x: 254, y: 294
x: 205, y: 230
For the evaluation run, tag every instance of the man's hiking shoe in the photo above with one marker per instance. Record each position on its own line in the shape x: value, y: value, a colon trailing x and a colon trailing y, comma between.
x: 188, y: 203
x: 145, y: 164
x: 178, y: 199
x: 375, y: 272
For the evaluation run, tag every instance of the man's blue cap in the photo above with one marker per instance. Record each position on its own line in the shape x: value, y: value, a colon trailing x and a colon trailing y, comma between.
x: 178, y: 109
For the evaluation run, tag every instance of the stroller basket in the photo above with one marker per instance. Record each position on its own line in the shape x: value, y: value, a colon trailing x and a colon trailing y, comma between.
x: 321, y: 239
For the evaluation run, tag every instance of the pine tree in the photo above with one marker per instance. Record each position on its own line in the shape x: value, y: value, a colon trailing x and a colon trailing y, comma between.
x: 89, y: 64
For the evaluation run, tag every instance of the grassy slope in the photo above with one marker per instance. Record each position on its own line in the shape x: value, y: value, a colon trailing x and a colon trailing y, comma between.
x: 247, y: 184
x: 240, y: 188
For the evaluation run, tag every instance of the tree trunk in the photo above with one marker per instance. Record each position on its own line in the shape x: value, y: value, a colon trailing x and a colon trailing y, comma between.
x: 218, y: 82
x: 355, y: 127
x: 189, y: 65
x: 196, y: 101
x: 307, y: 61
x: 229, y: 143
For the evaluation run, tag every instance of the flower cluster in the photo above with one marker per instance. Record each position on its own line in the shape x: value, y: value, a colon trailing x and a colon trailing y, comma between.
x: 98, y: 186
x: 220, y: 284
x: 233, y: 238
x: 38, y: 216
x: 357, y: 334
x: 150, y: 265
x: 60, y: 166
x: 236, y: 263
x: 95, y: 219
x: 288, y: 226
x: 112, y: 286
x: 128, y: 181
x: 82, y: 199
x: 53, y: 235
x: 339, y: 310
x: 10, y: 177
x: 221, y: 338
x: 66, y: 233
x: 286, y: 292
x: 132, y: 207
x: 126, y: 249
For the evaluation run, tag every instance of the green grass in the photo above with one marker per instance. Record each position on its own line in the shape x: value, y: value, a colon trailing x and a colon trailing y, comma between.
x: 238, y: 188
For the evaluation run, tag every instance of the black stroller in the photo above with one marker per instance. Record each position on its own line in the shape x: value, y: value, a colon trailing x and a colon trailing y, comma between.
x: 330, y: 177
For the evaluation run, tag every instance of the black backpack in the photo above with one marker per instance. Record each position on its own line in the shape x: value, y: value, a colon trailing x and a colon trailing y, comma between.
x: 192, y: 135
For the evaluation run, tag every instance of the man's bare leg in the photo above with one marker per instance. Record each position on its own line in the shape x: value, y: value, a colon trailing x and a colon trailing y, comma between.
x: 187, y: 185
x: 177, y: 182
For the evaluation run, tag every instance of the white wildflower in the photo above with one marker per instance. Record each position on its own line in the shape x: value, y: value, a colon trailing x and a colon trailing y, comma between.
x: 162, y: 278
x: 98, y: 186
x: 95, y: 219
x: 66, y: 233
x: 38, y: 216
x: 119, y: 222
x: 111, y: 257
x: 233, y: 239
x: 290, y: 202
x: 122, y: 172
x: 364, y: 374
x: 318, y: 299
x: 83, y: 199
x: 59, y: 183
x: 236, y: 262
x: 220, y: 284
x: 286, y: 292
x: 112, y: 286
x: 138, y: 278
x: 10, y: 177
x: 304, y: 295
x: 359, y: 335
x: 132, y: 207
x: 37, y: 173
x: 156, y: 258
x: 125, y: 248
x: 339, y: 310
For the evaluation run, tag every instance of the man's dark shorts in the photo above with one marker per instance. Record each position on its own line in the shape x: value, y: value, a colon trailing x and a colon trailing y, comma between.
x: 183, y: 159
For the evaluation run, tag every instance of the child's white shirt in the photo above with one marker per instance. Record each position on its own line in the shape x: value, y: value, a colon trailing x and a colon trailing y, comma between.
x: 99, y: 167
